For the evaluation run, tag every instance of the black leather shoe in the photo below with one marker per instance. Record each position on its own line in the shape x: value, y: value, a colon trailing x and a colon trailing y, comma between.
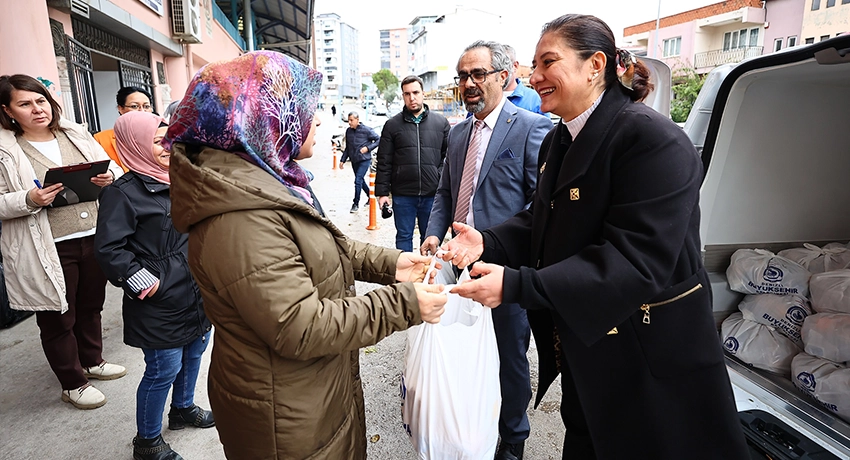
x: 510, y: 451
x: 153, y: 449
x: 194, y: 416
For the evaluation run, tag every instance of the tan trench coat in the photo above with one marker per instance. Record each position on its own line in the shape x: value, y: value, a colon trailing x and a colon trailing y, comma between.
x: 33, y: 273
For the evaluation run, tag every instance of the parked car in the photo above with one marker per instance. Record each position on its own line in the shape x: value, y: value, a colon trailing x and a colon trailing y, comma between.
x: 379, y: 109
x: 772, y: 132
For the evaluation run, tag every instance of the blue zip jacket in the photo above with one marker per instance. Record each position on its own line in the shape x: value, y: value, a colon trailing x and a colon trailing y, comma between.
x: 355, y: 139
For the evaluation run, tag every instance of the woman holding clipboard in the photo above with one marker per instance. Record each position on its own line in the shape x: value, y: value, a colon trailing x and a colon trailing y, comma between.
x: 49, y: 251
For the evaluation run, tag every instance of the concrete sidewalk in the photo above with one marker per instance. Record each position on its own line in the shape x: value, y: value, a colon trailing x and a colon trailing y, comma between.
x: 36, y: 424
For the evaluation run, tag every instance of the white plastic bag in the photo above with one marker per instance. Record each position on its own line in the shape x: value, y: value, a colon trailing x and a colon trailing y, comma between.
x: 824, y: 380
x: 786, y: 313
x: 758, y: 345
x: 758, y: 271
x: 827, y: 335
x: 450, y: 386
x: 833, y: 256
x: 831, y: 292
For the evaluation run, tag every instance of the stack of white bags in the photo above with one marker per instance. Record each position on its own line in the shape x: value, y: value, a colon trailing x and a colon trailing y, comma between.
x: 778, y: 321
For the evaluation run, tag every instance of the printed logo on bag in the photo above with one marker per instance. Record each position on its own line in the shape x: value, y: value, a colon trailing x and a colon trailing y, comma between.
x: 796, y: 314
x: 731, y: 344
x: 807, y: 380
x: 772, y: 273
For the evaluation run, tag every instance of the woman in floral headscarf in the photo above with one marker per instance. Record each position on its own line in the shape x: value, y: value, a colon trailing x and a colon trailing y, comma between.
x: 277, y: 277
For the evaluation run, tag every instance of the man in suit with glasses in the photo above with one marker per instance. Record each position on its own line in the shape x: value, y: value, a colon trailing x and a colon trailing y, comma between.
x: 490, y: 175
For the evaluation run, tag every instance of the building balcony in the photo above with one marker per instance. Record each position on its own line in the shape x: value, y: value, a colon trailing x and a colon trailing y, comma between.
x: 225, y: 23
x: 714, y: 58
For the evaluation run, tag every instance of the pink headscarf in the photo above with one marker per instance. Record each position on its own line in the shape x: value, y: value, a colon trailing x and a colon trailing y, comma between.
x: 134, y: 133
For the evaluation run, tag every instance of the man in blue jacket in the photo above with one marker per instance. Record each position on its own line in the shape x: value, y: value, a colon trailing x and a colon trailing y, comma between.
x: 517, y: 93
x: 360, y: 140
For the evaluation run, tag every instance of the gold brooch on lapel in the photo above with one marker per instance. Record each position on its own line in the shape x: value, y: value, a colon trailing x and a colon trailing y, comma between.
x: 510, y: 120
x: 543, y: 168
x: 613, y: 331
x: 574, y: 194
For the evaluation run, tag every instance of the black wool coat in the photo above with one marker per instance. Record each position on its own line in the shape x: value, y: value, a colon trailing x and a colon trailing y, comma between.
x: 614, y: 226
x: 134, y: 231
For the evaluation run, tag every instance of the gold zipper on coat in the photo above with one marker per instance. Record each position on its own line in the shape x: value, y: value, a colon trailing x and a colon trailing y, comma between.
x: 645, y: 307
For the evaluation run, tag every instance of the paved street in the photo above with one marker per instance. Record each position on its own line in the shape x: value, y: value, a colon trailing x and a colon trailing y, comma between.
x: 36, y: 424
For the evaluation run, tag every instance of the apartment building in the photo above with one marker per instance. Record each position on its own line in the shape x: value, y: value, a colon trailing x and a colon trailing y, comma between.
x: 337, y: 57
x: 705, y: 37
x: 824, y: 19
x: 394, y: 51
x: 436, y: 42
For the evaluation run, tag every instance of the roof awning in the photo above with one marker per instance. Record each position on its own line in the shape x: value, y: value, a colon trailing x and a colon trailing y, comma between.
x: 280, y: 25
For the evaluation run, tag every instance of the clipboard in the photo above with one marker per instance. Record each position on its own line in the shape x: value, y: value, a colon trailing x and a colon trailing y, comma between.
x: 77, y: 182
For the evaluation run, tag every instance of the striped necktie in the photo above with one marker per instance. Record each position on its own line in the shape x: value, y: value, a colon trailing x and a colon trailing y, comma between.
x: 467, y: 180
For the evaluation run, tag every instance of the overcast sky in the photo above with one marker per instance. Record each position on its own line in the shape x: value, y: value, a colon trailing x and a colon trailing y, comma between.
x: 370, y: 16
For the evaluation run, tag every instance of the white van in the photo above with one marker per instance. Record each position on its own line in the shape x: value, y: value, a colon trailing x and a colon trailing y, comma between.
x: 774, y: 134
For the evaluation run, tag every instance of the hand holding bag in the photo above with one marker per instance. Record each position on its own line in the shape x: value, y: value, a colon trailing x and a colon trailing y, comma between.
x: 450, y: 385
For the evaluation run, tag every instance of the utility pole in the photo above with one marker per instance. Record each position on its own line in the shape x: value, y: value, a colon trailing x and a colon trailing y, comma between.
x: 657, y: 26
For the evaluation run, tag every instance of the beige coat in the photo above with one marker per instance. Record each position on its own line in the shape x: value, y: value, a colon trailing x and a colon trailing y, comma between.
x: 34, y: 279
x: 278, y: 285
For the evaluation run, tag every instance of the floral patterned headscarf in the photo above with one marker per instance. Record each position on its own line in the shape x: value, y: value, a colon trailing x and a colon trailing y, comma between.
x: 259, y: 106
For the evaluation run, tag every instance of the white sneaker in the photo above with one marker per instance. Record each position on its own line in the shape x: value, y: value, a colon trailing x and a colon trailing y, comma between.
x: 105, y: 371
x: 85, y: 397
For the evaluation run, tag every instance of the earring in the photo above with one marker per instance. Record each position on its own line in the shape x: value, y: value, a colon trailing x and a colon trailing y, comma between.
x: 14, y: 121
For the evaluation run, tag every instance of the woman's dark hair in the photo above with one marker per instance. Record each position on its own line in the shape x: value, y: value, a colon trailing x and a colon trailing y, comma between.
x: 20, y: 82
x: 589, y: 34
x: 121, y: 97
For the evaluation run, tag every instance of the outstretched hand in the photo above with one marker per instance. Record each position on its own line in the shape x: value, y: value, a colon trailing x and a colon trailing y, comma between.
x: 486, y: 290
x: 466, y: 247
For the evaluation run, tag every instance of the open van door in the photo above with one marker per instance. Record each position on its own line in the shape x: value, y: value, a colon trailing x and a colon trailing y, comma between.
x: 660, y: 76
x: 774, y: 135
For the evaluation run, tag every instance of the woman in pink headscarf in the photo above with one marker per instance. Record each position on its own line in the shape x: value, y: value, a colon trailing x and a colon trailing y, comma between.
x: 141, y: 252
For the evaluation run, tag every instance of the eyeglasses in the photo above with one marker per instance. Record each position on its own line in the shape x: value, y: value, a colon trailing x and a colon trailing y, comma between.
x: 145, y: 107
x: 478, y: 76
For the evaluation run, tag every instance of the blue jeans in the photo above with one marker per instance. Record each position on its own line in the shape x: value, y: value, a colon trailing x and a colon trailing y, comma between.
x: 407, y: 210
x: 360, y: 170
x: 177, y: 366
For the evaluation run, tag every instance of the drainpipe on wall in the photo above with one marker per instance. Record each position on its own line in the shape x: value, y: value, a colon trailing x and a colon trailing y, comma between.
x: 188, y: 53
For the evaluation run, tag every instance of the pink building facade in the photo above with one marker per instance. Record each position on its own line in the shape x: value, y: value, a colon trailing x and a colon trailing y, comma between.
x: 719, y: 33
x: 88, y: 50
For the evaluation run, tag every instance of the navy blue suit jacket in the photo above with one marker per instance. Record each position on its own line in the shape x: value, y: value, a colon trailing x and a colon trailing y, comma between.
x: 508, y: 175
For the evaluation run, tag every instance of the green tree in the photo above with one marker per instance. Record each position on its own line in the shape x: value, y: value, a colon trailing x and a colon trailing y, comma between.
x: 387, y: 85
x: 686, y: 87
x: 364, y: 87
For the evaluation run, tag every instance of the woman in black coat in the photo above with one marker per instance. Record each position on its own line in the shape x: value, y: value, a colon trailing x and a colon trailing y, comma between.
x: 607, y: 261
x: 140, y: 251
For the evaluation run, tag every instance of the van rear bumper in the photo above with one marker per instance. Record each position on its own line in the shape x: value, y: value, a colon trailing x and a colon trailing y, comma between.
x: 757, y: 389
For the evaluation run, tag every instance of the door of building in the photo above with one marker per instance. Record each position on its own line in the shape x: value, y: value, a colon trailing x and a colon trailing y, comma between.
x: 81, y: 76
